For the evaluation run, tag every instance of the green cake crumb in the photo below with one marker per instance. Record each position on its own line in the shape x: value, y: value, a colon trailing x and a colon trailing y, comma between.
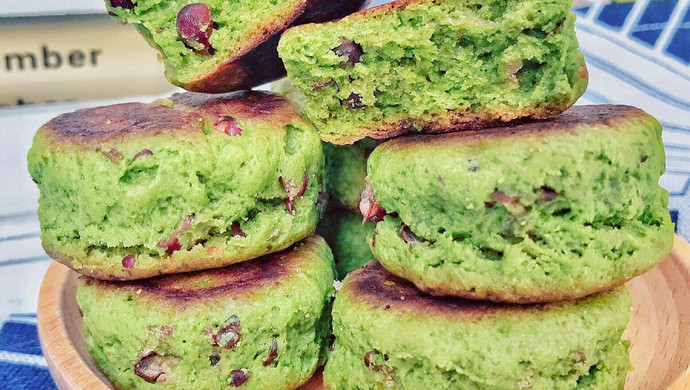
x: 538, y: 212
x: 435, y: 66
x: 191, y: 182
x: 263, y: 324
x: 389, y: 335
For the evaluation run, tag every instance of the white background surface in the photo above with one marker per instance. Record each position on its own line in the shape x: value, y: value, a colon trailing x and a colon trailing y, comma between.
x: 49, y: 7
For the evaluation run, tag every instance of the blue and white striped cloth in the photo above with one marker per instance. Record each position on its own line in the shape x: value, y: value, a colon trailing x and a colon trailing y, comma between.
x: 637, y: 53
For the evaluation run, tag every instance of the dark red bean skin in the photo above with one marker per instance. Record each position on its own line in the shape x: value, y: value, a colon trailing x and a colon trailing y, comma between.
x: 194, y: 27
x: 238, y: 377
x: 353, y: 102
x: 128, y: 261
x: 293, y: 191
x: 547, y: 194
x: 352, y: 50
x: 126, y: 4
x: 272, y: 353
x: 501, y: 197
x: 371, y: 211
x: 149, y: 367
x: 237, y: 230
x: 229, y: 334
x: 229, y: 125
x: 143, y: 153
x: 172, y: 244
x: 408, y: 236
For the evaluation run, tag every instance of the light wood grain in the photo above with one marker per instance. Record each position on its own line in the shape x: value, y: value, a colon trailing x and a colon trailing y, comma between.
x: 659, y: 329
x: 660, y: 324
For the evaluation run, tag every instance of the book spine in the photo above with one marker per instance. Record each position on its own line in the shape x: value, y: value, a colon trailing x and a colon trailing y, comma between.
x: 75, y: 57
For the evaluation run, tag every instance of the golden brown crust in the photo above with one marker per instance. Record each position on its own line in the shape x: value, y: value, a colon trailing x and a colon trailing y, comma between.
x: 231, y: 282
x: 383, y: 9
x: 577, y: 117
x: 168, y: 264
x: 446, y: 122
x: 375, y: 287
x: 256, y: 65
x: 242, y: 105
x: 93, y: 126
x: 257, y: 61
x: 534, y: 296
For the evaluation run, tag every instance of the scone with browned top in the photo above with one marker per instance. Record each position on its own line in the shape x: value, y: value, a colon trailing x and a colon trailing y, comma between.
x: 218, y: 46
x: 192, y: 182
x: 261, y: 324
x: 545, y: 211
x: 390, y: 335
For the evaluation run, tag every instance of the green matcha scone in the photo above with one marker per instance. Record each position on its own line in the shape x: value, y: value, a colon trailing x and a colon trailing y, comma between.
x: 261, y: 324
x: 539, y: 212
x: 347, y: 237
x: 389, y: 335
x: 193, y: 182
x: 222, y: 45
x: 435, y: 66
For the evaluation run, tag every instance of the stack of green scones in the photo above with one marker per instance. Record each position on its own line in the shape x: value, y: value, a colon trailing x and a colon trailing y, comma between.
x: 501, y: 250
x: 496, y: 232
x: 502, y: 255
x: 190, y: 184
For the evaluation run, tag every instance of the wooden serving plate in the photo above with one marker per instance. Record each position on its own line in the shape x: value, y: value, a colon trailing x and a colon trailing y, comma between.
x: 659, y: 329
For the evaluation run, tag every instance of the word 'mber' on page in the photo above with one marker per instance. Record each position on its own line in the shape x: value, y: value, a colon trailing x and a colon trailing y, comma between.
x: 47, y: 58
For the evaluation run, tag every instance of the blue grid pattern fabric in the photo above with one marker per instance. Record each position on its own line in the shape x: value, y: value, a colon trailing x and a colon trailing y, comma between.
x: 637, y: 53
x: 656, y: 18
x: 22, y: 365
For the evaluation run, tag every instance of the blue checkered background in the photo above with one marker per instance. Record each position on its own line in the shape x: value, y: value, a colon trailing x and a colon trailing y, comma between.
x: 638, y: 53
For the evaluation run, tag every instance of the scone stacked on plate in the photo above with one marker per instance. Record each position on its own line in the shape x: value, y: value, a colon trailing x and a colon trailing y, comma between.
x: 187, y: 183
x: 502, y: 255
x: 217, y: 46
x: 259, y: 324
x: 538, y: 212
x: 229, y: 187
x: 503, y: 245
x: 429, y: 66
x: 389, y: 334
